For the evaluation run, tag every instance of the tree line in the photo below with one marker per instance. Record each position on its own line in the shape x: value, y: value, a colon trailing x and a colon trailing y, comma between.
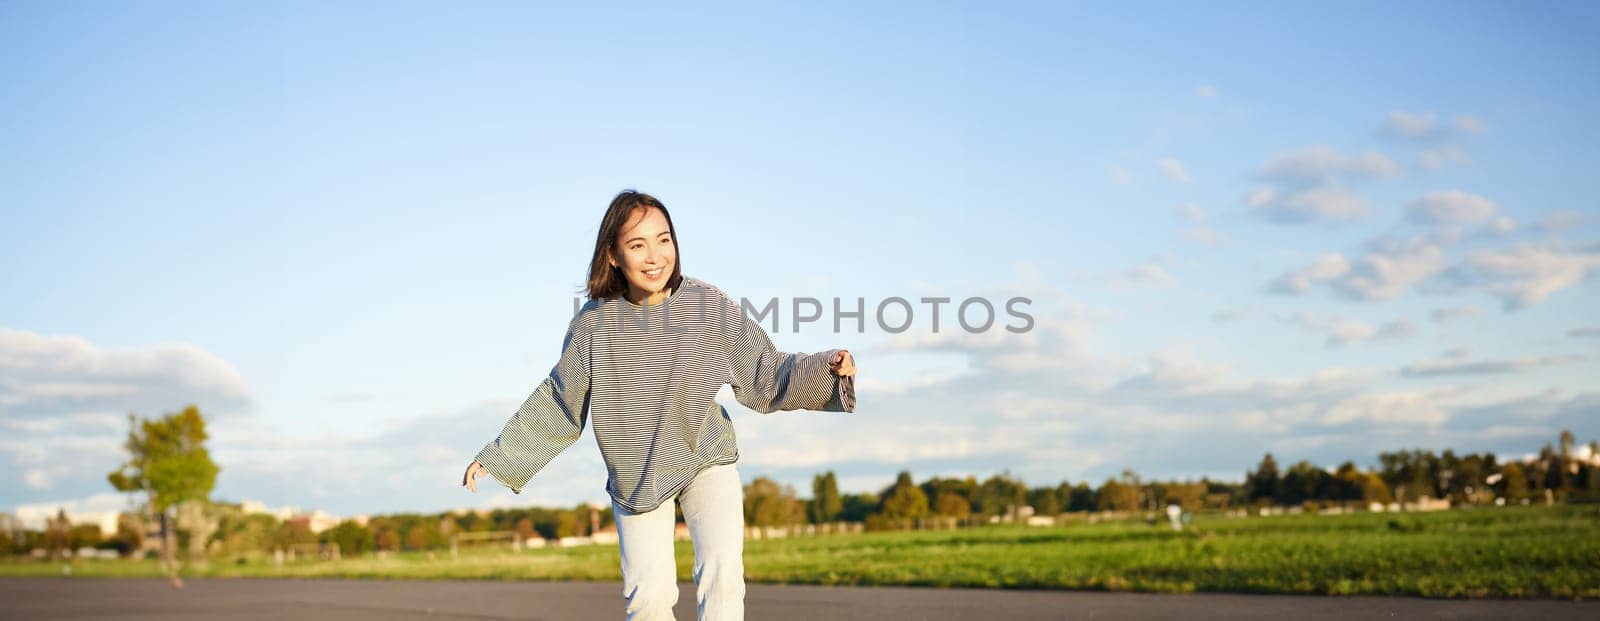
x: 170, y: 470
x: 1556, y: 474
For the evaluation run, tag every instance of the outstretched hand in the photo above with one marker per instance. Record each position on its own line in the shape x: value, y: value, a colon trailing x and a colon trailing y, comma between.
x: 470, y: 479
x: 843, y: 364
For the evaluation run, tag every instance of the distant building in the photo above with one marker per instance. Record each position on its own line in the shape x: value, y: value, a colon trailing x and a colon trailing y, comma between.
x: 35, y: 517
x: 10, y: 524
x: 255, y: 506
x: 316, y: 521
x: 319, y: 521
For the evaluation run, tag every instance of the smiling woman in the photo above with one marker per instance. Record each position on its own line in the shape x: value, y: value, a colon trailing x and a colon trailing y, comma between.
x: 645, y: 357
x: 642, y: 261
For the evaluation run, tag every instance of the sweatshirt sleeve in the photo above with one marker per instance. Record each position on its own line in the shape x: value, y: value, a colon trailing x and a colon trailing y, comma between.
x: 767, y: 380
x: 549, y: 421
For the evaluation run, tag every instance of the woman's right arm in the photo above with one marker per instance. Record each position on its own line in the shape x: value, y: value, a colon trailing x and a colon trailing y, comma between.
x: 549, y: 421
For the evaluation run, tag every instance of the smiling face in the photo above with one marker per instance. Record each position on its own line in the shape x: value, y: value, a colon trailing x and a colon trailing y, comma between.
x: 645, y: 253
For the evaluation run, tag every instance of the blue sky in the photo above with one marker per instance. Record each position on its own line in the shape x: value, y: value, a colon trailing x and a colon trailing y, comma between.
x: 352, y: 234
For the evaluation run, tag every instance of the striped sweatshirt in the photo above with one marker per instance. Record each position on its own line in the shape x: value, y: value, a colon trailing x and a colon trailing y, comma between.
x: 647, y: 378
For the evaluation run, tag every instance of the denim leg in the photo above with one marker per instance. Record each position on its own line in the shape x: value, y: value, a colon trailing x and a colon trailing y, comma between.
x: 649, y: 571
x: 713, y: 505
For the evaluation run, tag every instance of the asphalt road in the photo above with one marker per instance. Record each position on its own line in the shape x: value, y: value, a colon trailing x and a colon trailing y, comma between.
x: 96, y: 598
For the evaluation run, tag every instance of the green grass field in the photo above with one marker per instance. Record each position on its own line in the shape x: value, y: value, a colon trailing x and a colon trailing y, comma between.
x: 1489, y: 552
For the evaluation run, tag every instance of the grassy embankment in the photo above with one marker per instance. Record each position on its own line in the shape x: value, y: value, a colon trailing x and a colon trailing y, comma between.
x: 1489, y: 552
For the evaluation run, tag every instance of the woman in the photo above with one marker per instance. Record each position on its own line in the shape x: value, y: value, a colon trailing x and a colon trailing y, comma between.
x: 645, y: 358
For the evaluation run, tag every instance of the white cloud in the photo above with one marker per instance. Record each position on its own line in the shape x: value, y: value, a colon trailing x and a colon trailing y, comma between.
x: 1260, y: 197
x: 1560, y: 220
x: 1149, y: 274
x: 1205, y: 91
x: 1322, y: 164
x: 1205, y: 236
x: 1372, y: 165
x: 44, y: 375
x: 1230, y: 315
x: 1437, y: 158
x: 1521, y: 276
x: 1502, y: 225
x: 36, y: 478
x: 1389, y: 409
x: 33, y: 514
x: 1192, y: 213
x: 1450, y: 207
x: 1411, y: 125
x: 1120, y: 175
x: 1445, y: 315
x: 1427, y: 127
x: 1458, y: 366
x: 1326, y: 267
x: 1173, y: 169
x: 877, y: 386
x: 1389, y: 267
x: 1339, y: 331
x: 1305, y: 185
x: 1330, y: 204
x: 1527, y: 274
x: 1314, y: 165
x: 1386, y: 270
x: 1200, y: 231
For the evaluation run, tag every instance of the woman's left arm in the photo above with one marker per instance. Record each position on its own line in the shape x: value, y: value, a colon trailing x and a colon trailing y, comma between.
x: 767, y: 380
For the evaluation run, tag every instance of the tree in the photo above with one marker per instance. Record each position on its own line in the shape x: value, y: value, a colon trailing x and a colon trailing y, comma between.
x: 524, y: 529
x: 246, y: 534
x: 1515, y: 481
x: 58, y: 534
x: 388, y: 540
x: 858, y: 506
x: 85, y: 536
x: 947, y: 493
x: 1118, y: 495
x: 423, y: 535
x: 1082, y: 498
x: 199, y: 521
x: 951, y: 504
x: 1190, y: 496
x: 1263, y: 483
x: 1373, y: 489
x: 1044, y: 500
x: 1411, y: 474
x: 167, y: 462
x: 825, y: 502
x: 903, y: 501
x: 1346, y: 483
x: 999, y: 494
x: 352, y: 538
x: 1304, y: 481
x: 573, y: 523
x: 768, y: 504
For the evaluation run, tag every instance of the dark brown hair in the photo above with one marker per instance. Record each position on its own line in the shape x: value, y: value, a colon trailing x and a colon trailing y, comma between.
x: 607, y: 281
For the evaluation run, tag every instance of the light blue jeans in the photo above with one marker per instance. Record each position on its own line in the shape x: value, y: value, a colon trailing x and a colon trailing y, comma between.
x: 713, y: 505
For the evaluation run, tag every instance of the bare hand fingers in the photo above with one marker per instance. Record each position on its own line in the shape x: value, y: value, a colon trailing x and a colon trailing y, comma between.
x: 843, y: 363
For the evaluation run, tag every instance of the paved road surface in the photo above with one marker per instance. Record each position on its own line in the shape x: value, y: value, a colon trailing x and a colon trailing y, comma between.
x: 95, y: 598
